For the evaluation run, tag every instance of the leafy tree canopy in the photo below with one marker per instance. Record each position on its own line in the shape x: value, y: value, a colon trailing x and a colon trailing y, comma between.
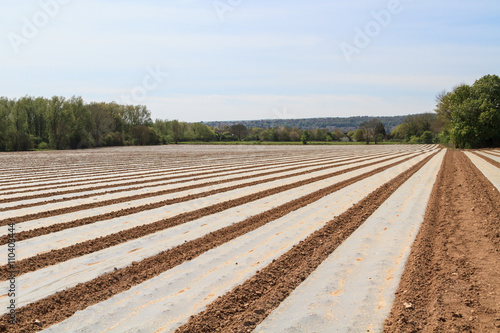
x: 472, y: 113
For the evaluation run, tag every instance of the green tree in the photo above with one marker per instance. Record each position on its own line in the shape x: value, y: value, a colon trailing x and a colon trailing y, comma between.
x: 136, y: 115
x: 59, y: 120
x: 399, y: 132
x: 143, y: 135
x: 295, y: 135
x: 368, y: 129
x: 41, y: 119
x: 443, y: 106
x: 18, y: 133
x: 320, y: 135
x: 350, y: 135
x: 239, y: 131
x: 177, y: 131
x: 81, y: 125
x: 306, y: 136
x: 5, y: 110
x: 474, y: 113
x: 102, y: 121
x: 379, y: 133
x: 202, y: 132
x: 26, y: 105
x: 427, y: 137
x: 359, y: 135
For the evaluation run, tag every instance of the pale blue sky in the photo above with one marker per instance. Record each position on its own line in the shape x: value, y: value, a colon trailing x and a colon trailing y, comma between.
x: 248, y: 59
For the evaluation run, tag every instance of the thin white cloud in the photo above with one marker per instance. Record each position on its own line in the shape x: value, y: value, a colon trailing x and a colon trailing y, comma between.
x: 263, y: 55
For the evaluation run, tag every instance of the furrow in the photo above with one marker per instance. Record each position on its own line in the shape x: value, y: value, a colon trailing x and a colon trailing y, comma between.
x: 115, y: 187
x: 81, y: 296
x: 147, y: 197
x: 129, y: 232
x: 248, y: 304
x: 132, y: 176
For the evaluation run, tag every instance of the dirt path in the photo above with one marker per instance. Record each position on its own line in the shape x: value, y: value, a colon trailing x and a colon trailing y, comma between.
x: 452, y: 282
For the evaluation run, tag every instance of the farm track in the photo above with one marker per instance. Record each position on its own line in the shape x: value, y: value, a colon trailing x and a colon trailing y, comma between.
x: 451, y: 278
x: 103, y: 265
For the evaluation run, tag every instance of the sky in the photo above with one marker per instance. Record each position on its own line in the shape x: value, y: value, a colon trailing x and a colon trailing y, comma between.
x: 207, y: 60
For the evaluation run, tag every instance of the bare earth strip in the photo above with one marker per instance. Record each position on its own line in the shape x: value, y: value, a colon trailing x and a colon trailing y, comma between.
x: 60, y: 255
x: 451, y: 282
x: 62, y: 305
x: 14, y: 215
x: 495, y: 160
x: 250, y: 303
x: 153, y: 177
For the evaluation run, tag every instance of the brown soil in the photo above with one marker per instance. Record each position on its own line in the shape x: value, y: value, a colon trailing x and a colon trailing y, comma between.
x: 451, y: 282
x: 62, y: 305
x: 61, y: 226
x: 152, y: 194
x: 171, y: 175
x: 56, y: 256
x: 249, y: 304
x: 487, y: 159
x: 139, y: 173
x: 161, y: 182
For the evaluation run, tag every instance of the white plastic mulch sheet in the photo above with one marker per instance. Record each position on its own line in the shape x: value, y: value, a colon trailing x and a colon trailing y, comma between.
x: 168, y: 300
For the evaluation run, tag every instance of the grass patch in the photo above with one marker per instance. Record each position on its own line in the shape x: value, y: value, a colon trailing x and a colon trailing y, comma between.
x: 275, y: 143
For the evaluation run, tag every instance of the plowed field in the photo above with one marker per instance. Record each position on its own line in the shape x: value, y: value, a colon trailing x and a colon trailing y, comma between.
x: 250, y: 238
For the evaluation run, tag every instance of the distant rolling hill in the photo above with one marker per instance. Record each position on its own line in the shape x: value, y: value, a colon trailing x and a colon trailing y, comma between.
x: 343, y: 124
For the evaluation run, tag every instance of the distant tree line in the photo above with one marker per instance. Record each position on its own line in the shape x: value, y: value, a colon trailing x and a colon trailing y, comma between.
x: 331, y: 123
x: 175, y: 132
x: 60, y: 123
x: 466, y: 117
